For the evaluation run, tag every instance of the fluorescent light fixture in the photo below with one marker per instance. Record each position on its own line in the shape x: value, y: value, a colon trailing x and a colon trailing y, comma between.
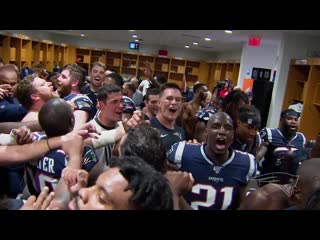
x: 134, y: 35
x: 82, y: 35
x: 228, y: 31
x: 187, y: 46
x: 207, y: 39
x: 132, y: 30
x: 195, y: 43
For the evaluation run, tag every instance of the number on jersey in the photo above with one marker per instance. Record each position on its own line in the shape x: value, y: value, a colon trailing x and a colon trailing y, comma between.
x: 48, y: 181
x: 211, y: 195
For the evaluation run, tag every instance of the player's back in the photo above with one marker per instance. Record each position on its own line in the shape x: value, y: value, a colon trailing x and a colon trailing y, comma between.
x: 47, y: 170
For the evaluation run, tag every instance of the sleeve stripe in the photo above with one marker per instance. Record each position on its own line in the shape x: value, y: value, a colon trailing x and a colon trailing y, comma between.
x: 304, y: 140
x: 252, y: 166
x: 269, y: 134
x: 179, y: 152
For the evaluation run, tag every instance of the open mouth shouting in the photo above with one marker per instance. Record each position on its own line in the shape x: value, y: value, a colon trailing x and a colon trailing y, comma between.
x: 221, y: 144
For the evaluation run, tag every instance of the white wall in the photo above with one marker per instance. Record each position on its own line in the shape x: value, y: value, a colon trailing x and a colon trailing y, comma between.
x: 264, y: 56
x: 229, y: 56
x: 291, y: 46
x: 119, y: 45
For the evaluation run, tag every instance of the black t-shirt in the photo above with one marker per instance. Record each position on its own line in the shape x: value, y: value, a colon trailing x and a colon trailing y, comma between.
x: 169, y: 136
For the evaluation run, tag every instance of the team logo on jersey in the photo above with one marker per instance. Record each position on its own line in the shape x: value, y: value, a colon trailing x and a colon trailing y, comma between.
x: 217, y: 169
x: 83, y: 104
x: 89, y: 156
x: 178, y: 134
x: 262, y: 134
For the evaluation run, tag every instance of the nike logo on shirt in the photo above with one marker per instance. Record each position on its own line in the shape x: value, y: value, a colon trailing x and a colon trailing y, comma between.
x: 163, y: 135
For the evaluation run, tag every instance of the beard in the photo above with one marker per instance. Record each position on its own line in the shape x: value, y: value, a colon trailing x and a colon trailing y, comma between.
x: 47, y: 97
x: 289, y: 132
x: 64, y: 90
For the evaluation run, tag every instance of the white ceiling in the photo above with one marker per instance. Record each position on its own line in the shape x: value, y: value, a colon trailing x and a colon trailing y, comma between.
x: 221, y: 42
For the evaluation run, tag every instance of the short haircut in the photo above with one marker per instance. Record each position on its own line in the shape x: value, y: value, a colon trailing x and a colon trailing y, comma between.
x: 104, y: 91
x: 100, y: 64
x: 151, y: 91
x: 56, y: 108
x: 76, y: 73
x: 117, y: 78
x: 131, y: 86
x: 24, y: 90
x: 198, y: 86
x: 168, y: 85
x: 6, y: 68
x: 144, y: 142
x: 150, y: 189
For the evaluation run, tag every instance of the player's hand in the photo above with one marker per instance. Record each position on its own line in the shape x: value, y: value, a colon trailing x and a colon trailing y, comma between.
x: 23, y: 135
x: 88, y: 130
x: 72, y: 144
x: 134, y: 121
x: 3, y: 91
x: 180, y: 182
x: 75, y: 179
x: 194, y: 141
x: 40, y: 203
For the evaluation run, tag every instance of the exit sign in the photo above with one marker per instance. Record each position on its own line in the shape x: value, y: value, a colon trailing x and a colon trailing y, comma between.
x: 254, y: 41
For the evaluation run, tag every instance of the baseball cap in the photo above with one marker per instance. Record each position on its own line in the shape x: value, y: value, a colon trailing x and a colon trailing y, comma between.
x: 128, y: 105
x: 289, y: 113
x: 250, y: 115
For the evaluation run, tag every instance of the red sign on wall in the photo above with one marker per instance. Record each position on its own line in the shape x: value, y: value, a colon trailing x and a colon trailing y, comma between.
x: 254, y: 41
x: 163, y: 52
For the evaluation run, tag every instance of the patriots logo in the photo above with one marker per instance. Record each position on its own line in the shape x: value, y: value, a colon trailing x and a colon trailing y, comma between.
x: 89, y: 156
x: 262, y: 134
x: 83, y: 104
x: 178, y: 134
x: 217, y: 169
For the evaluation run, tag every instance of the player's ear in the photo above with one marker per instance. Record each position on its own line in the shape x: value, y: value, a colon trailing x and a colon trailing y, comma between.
x: 238, y: 123
x: 296, y: 194
x: 34, y: 97
x: 99, y: 105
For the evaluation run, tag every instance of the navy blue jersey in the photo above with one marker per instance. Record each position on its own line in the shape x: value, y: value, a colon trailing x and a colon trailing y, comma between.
x: 11, y: 110
x: 243, y: 147
x: 215, y: 186
x: 82, y: 102
x: 93, y: 97
x: 274, y: 162
x: 275, y: 137
x: 168, y: 136
x: 47, y: 170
